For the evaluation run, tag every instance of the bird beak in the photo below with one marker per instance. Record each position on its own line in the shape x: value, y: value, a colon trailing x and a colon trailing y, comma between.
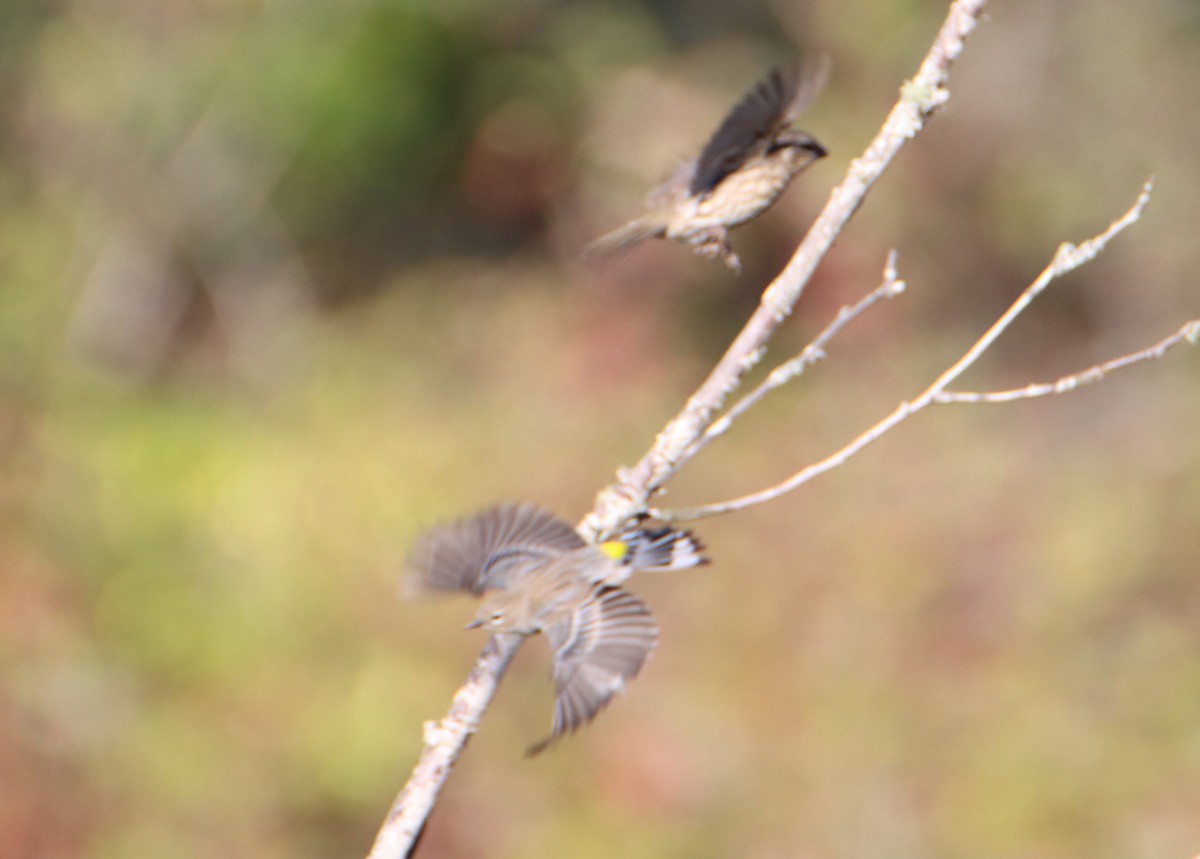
x: 815, y: 149
x: 475, y: 624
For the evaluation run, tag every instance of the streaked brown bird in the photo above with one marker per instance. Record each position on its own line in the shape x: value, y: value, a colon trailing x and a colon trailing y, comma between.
x: 742, y: 170
x: 538, y: 575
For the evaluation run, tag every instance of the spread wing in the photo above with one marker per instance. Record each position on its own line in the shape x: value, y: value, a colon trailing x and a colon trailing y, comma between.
x: 480, y: 551
x: 773, y: 104
x: 597, y: 650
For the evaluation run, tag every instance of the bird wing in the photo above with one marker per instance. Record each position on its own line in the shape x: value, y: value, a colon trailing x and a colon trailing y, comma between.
x: 599, y: 648
x: 772, y: 105
x: 480, y: 551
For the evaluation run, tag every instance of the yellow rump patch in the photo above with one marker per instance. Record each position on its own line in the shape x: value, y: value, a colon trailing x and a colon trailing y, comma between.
x: 615, y: 549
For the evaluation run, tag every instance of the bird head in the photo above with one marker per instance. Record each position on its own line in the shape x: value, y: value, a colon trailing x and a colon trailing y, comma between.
x: 489, y: 617
x: 508, y: 611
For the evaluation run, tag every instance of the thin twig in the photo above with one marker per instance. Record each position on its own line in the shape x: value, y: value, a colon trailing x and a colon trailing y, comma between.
x: 919, y: 98
x: 1189, y: 332
x: 811, y: 354
x: 1067, y: 258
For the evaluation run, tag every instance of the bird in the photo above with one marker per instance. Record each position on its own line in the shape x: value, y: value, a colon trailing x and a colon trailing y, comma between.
x: 740, y: 172
x: 536, y: 574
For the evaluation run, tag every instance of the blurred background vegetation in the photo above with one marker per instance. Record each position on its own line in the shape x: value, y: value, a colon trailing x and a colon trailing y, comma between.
x: 283, y: 282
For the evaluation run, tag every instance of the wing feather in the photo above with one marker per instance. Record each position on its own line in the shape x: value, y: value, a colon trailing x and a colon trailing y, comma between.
x: 771, y: 105
x: 599, y: 649
x: 478, y: 552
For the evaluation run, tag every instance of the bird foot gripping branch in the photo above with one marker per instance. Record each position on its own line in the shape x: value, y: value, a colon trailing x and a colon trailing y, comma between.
x: 536, y: 574
x: 714, y: 244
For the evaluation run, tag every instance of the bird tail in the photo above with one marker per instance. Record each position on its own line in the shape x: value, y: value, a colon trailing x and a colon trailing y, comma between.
x: 663, y: 549
x: 625, y: 236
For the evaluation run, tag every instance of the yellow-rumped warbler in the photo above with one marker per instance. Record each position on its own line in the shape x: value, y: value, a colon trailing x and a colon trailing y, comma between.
x: 538, y: 575
x: 742, y: 170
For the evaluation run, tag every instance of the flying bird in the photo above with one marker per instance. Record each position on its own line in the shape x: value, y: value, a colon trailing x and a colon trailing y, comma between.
x: 740, y: 172
x: 537, y: 574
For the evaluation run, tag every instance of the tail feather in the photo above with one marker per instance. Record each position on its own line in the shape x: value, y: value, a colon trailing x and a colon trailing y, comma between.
x: 625, y: 236
x: 664, y: 549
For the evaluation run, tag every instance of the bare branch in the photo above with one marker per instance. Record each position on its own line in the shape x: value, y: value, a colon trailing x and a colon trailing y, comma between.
x: 1067, y: 258
x: 811, y: 354
x: 618, y: 503
x: 677, y: 441
x: 444, y: 742
x: 1189, y: 332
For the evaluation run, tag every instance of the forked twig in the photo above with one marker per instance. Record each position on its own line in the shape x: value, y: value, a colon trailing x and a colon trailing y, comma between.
x: 811, y: 354
x: 1189, y: 332
x: 1066, y: 259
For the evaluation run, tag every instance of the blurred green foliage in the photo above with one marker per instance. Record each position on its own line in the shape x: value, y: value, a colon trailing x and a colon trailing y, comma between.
x: 281, y: 283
